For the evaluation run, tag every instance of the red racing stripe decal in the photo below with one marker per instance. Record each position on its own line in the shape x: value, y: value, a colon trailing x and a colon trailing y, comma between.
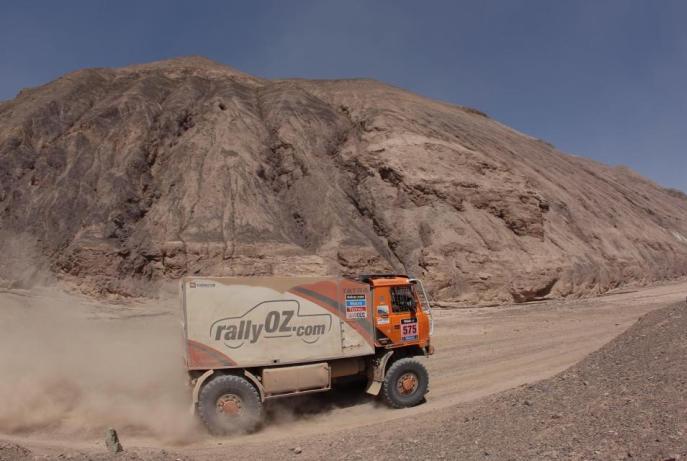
x: 200, y: 356
x: 332, y: 306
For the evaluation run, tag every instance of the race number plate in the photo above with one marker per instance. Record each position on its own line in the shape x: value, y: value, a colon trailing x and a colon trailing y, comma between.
x: 408, y: 329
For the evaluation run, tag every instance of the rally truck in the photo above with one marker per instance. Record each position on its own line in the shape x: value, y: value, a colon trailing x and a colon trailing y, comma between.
x: 252, y: 339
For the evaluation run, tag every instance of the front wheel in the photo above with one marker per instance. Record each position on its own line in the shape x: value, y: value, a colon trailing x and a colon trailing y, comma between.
x: 405, y: 384
x: 229, y: 404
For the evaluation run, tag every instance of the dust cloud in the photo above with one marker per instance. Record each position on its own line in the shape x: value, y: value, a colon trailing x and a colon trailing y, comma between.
x: 21, y: 263
x: 68, y: 371
x: 71, y: 366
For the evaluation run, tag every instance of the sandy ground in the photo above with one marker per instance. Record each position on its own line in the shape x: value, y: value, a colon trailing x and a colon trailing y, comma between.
x: 479, y: 352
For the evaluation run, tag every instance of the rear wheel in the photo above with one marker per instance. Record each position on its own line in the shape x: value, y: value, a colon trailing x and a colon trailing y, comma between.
x: 229, y: 404
x: 405, y: 384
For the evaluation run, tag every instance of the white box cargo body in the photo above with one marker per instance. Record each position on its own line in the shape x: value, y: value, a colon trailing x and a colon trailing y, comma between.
x: 256, y: 322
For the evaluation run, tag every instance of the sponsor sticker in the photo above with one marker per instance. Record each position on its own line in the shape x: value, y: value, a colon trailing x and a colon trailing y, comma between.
x: 383, y: 321
x: 382, y: 309
x: 356, y: 306
x: 268, y: 321
x: 201, y: 285
x: 409, y: 330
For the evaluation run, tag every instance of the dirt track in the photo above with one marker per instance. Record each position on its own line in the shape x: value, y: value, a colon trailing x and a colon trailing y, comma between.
x: 479, y: 352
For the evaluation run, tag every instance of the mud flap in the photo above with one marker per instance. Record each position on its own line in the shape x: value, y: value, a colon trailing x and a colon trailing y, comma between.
x: 374, y: 385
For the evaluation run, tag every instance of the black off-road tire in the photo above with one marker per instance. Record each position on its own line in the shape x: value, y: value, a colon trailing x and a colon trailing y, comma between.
x: 408, y: 368
x: 244, y: 393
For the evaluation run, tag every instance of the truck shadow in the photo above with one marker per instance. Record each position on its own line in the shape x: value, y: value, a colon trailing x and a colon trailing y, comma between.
x: 341, y: 396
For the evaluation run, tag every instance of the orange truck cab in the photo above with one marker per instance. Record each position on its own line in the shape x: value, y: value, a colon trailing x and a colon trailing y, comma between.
x: 403, y: 326
x: 401, y: 320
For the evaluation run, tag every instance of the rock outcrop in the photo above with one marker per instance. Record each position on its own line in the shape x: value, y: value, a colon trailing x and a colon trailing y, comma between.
x: 186, y: 166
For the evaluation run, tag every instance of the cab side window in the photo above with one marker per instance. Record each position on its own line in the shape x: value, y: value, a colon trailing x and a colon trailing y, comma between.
x: 402, y: 299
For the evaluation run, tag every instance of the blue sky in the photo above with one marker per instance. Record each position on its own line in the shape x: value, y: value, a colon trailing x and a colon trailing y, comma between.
x: 603, y: 79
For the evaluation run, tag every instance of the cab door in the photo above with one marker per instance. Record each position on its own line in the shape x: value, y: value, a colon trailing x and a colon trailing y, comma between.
x: 396, y: 315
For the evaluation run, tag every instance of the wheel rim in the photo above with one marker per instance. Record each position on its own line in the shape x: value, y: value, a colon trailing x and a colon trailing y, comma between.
x: 407, y: 384
x: 229, y: 405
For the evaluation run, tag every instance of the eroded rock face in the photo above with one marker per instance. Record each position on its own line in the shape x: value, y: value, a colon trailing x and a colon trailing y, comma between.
x: 189, y: 167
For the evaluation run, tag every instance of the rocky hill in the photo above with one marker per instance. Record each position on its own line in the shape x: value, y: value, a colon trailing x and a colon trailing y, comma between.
x: 186, y: 166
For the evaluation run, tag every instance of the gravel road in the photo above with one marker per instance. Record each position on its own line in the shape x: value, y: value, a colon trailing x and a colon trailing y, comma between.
x: 480, y: 352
